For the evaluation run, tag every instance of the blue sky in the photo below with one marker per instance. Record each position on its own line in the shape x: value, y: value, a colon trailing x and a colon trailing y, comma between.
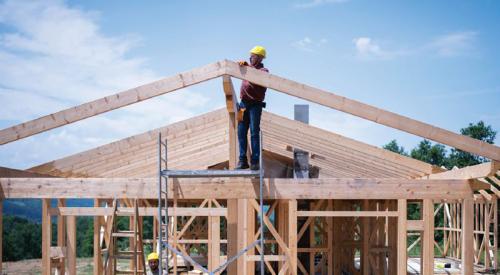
x: 435, y: 61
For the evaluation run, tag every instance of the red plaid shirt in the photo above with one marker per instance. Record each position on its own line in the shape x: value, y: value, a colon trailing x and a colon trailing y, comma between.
x: 252, y: 92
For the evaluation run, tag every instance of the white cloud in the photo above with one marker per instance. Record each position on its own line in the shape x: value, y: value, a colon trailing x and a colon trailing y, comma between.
x: 315, y: 3
x: 54, y: 56
x: 309, y: 45
x: 365, y: 46
x: 454, y: 44
x: 448, y: 45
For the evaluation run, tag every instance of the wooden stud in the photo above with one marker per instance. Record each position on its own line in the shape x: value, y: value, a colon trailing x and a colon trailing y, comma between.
x: 61, y: 225
x: 46, y: 237
x: 97, y: 266
x: 292, y: 236
x: 71, y: 245
x: 329, y: 239
x: 392, y: 238
x: 232, y: 235
x: 250, y: 230
x: 495, y: 233
x: 214, y: 245
x: 402, y: 237
x: 428, y: 237
x: 312, y: 242
x: 365, y: 250
x: 467, y: 236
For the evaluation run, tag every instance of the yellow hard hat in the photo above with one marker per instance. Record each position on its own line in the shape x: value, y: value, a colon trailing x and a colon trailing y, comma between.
x: 153, y: 256
x: 259, y: 50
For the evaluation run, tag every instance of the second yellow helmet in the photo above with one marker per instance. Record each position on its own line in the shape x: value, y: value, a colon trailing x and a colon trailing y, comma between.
x: 153, y: 256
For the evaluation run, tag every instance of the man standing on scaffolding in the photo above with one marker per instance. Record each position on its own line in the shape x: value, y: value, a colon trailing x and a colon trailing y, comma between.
x: 250, y: 111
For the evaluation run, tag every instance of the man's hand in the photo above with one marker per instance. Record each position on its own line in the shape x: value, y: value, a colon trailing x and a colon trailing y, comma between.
x: 242, y: 63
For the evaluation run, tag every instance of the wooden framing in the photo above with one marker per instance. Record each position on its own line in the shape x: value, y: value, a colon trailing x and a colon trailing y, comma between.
x: 356, y: 209
x: 334, y: 155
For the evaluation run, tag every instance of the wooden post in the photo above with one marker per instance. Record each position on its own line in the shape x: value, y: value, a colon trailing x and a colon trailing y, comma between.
x: 486, y: 240
x: 392, y: 223
x: 250, y: 231
x: 467, y: 236
x: 282, y: 221
x: 61, y: 225
x: 292, y: 235
x: 495, y: 233
x: 428, y: 238
x: 214, y: 242
x: 236, y: 235
x: 61, y: 234
x: 232, y: 109
x: 312, y: 242
x: 97, y: 242
x: 365, y: 251
x: 46, y: 237
x: 132, y: 240
x: 71, y: 245
x: 243, y: 207
x: 402, y: 237
x: 329, y: 238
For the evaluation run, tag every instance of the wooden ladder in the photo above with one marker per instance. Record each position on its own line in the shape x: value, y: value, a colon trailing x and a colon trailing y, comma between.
x: 134, y: 253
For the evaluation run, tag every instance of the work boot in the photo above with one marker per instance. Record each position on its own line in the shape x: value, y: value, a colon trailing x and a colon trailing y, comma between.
x: 255, y: 167
x: 242, y: 165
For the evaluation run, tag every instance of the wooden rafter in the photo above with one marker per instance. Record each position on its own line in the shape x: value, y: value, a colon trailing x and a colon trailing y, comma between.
x: 336, y: 154
x: 112, y: 102
x: 362, y: 110
x: 268, y: 80
x: 136, y: 154
x: 205, y: 139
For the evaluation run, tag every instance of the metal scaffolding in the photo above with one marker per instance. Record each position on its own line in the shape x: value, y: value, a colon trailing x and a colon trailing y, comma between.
x: 163, y: 223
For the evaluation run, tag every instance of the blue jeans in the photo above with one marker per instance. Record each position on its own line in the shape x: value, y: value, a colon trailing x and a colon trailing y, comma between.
x: 251, y: 119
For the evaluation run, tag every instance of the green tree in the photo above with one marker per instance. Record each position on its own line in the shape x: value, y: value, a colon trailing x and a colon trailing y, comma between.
x: 427, y: 152
x: 393, y: 146
x: 21, y: 239
x: 479, y: 131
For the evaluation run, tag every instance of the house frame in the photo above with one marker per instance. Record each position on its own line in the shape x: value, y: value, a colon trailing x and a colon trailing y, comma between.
x: 352, y: 218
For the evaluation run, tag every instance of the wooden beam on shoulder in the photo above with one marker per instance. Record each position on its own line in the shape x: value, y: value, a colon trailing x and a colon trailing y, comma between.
x: 362, y: 110
x: 111, y: 102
